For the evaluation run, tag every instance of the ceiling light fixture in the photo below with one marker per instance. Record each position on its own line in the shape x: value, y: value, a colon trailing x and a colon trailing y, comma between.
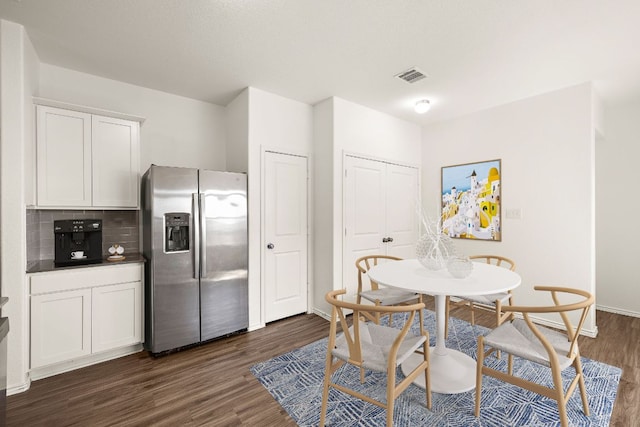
x: 422, y: 106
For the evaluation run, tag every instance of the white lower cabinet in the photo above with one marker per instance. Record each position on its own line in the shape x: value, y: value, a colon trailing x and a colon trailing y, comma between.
x: 111, y: 331
x: 60, y: 326
x: 79, y: 313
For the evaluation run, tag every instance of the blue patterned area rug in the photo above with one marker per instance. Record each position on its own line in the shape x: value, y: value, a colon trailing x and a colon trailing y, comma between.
x: 295, y: 378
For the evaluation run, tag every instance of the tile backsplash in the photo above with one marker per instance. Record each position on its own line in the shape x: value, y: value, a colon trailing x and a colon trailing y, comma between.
x: 120, y: 227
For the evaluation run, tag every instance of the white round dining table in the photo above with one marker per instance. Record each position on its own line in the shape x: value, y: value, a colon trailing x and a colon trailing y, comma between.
x: 451, y: 371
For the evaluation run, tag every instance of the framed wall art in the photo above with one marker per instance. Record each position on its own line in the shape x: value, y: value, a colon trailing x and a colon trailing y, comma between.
x: 471, y: 202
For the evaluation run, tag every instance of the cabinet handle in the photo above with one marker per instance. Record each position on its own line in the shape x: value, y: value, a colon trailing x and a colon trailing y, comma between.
x: 385, y: 240
x: 389, y: 239
x: 270, y: 246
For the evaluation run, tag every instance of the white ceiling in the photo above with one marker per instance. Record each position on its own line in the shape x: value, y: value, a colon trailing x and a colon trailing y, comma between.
x: 477, y: 53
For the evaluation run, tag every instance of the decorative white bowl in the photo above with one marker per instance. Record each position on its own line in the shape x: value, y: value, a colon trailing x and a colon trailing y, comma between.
x: 460, y: 267
x: 433, y: 250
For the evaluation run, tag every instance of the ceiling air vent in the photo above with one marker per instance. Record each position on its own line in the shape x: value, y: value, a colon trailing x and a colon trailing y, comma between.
x: 412, y: 75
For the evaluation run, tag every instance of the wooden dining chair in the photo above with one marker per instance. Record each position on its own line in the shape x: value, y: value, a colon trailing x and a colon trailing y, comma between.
x: 493, y: 302
x: 554, y: 349
x: 379, y: 295
x: 375, y: 347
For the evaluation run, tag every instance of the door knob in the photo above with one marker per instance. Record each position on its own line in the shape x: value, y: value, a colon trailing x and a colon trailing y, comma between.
x: 270, y: 246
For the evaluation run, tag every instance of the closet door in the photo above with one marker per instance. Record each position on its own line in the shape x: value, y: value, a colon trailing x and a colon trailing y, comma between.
x: 402, y: 217
x: 364, y: 216
x: 379, y: 214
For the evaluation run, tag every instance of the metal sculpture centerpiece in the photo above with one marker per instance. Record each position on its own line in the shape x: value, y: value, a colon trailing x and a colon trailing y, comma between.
x: 436, y: 250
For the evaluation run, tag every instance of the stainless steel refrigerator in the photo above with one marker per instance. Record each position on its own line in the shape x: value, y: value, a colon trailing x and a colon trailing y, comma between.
x: 195, y: 242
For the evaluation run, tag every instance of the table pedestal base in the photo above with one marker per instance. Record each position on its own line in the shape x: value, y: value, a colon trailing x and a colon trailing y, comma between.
x: 451, y: 371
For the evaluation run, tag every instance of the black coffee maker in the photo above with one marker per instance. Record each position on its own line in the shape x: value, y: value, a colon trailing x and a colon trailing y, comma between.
x: 77, y: 241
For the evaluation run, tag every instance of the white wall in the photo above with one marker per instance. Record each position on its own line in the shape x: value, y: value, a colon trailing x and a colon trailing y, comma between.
x: 617, y: 233
x: 18, y: 83
x: 177, y: 131
x: 237, y: 123
x: 324, y: 187
x: 274, y: 122
x: 345, y: 127
x: 362, y: 130
x: 546, y: 144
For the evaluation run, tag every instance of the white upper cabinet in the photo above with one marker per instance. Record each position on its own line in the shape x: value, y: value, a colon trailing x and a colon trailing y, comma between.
x: 86, y: 160
x: 63, y: 157
x: 116, y: 166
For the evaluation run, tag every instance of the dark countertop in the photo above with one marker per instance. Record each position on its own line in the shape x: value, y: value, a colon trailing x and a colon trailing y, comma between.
x: 48, y: 265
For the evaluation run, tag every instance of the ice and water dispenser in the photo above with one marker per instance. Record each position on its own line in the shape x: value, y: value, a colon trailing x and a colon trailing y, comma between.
x: 176, y: 232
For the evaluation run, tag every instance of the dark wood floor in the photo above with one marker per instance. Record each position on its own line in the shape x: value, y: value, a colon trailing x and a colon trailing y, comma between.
x: 211, y: 385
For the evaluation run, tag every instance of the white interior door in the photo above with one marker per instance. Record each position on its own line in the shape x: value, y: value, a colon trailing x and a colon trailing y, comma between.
x: 285, y: 234
x: 364, y: 216
x: 402, y: 216
x: 379, y: 214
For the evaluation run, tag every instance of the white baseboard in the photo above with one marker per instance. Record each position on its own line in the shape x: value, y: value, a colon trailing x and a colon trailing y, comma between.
x: 255, y: 327
x: 19, y: 388
x: 322, y: 314
x: 591, y: 333
x: 617, y: 311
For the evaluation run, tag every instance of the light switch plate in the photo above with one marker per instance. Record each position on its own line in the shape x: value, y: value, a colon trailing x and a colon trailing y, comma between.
x: 514, y: 213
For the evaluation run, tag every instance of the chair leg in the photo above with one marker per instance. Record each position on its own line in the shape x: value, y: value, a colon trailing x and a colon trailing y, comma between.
x: 498, y: 323
x: 583, y: 391
x: 562, y: 410
x: 427, y: 376
x: 325, y: 391
x: 473, y: 314
x: 391, y: 396
x: 479, y: 365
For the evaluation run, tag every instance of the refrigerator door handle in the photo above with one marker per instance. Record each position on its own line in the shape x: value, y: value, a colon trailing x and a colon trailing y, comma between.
x: 203, y: 235
x: 195, y: 249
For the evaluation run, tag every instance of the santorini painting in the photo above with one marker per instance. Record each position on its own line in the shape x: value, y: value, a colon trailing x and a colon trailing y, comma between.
x: 471, y: 200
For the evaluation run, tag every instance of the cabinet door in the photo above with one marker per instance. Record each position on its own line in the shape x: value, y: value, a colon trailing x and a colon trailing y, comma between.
x: 116, y: 316
x: 116, y: 166
x: 60, y: 326
x: 63, y: 157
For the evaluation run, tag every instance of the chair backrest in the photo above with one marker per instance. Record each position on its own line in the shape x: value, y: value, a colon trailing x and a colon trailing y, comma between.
x: 583, y: 300
x: 363, y: 264
x: 496, y: 260
x: 353, y: 335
